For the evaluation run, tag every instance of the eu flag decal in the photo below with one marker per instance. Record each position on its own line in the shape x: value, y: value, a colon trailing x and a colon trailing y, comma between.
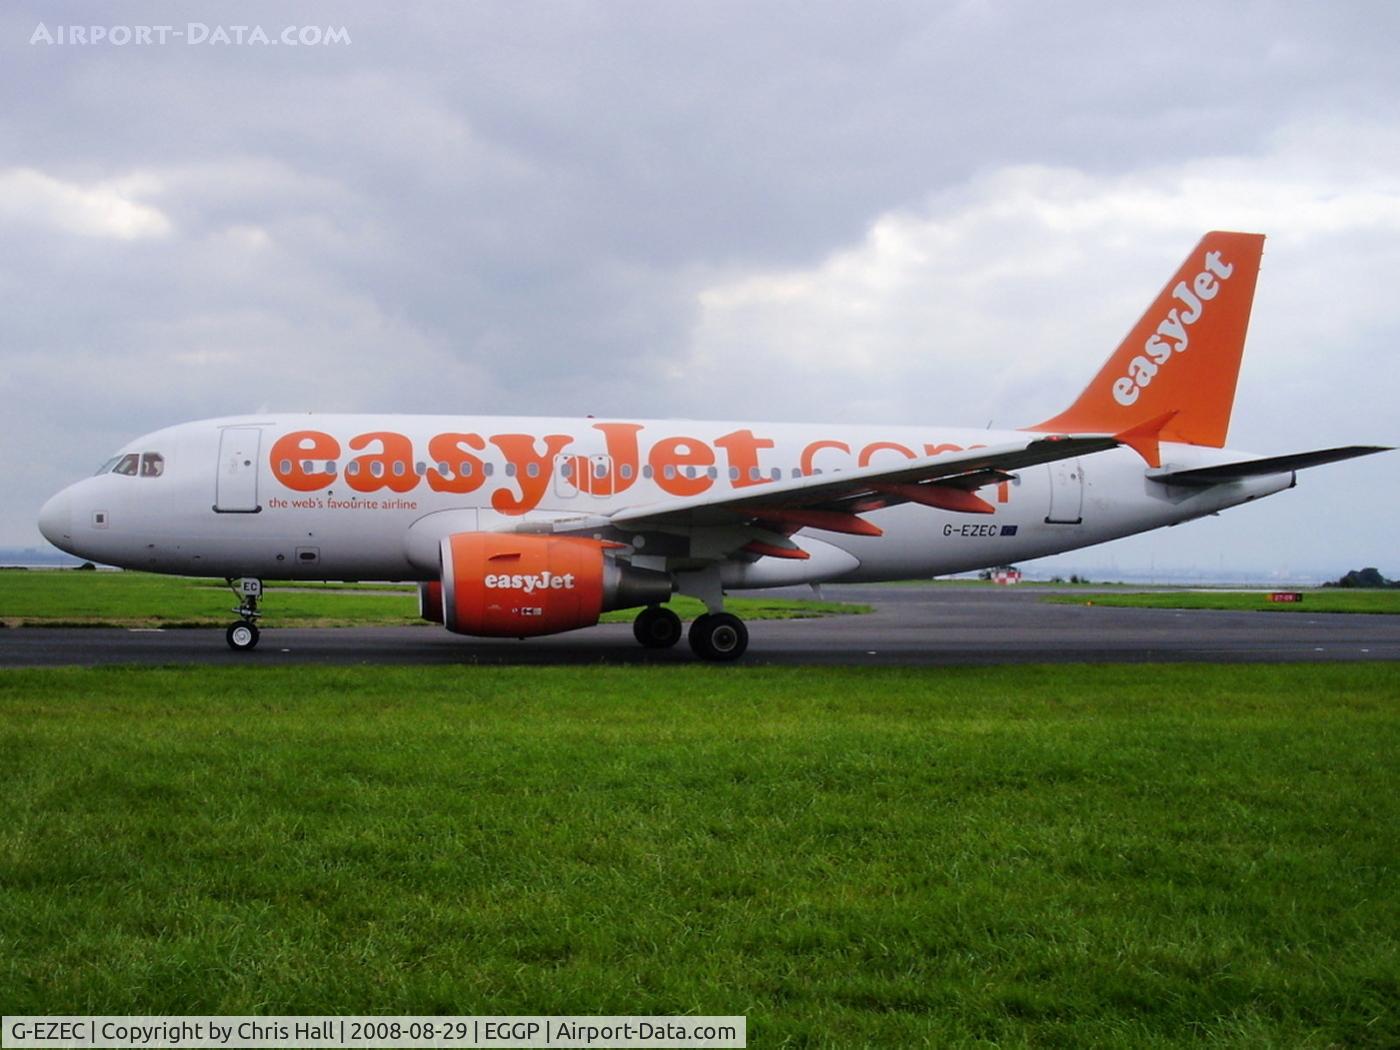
x: 1009, y: 530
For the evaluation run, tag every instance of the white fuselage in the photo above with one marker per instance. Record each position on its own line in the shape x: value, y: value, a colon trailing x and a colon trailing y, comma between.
x: 370, y: 497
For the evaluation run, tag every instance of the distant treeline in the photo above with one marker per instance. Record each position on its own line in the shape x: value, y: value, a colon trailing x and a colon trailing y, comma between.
x: 1370, y: 578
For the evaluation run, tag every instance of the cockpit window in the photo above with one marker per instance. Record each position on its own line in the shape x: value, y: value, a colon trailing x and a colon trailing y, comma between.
x: 145, y: 464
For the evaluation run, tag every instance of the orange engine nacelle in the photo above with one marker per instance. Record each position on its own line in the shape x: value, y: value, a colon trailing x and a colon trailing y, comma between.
x: 512, y: 586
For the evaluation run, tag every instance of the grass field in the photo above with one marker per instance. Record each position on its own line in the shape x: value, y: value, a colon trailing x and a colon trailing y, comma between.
x: 53, y: 598
x: 1330, y: 600
x: 1132, y: 856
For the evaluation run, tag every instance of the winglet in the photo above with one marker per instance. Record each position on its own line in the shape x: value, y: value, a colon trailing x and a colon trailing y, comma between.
x: 1145, y: 438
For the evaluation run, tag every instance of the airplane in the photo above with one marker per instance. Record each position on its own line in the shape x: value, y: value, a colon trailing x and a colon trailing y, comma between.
x: 519, y: 526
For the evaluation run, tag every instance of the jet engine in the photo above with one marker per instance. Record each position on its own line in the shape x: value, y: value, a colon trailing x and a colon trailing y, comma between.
x: 506, y: 585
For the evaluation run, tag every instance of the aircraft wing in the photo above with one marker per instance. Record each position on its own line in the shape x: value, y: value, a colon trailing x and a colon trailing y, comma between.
x: 833, y: 501
x: 1251, y: 468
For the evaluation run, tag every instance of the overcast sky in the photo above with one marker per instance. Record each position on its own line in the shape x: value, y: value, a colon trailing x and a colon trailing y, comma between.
x: 915, y: 213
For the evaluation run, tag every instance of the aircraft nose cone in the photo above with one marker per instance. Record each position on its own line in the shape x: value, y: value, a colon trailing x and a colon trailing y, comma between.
x: 56, y: 520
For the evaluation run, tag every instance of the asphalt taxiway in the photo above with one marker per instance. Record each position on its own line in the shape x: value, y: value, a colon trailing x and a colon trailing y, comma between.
x: 911, y: 625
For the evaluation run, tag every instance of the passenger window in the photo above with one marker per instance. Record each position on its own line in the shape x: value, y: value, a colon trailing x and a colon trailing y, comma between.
x: 127, y: 465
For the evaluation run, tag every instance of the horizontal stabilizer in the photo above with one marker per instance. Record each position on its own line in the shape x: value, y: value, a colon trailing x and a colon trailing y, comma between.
x: 1253, y: 468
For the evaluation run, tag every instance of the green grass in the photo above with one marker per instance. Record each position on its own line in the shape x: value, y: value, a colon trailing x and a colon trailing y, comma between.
x: 138, y: 599
x: 1330, y: 600
x: 1044, y: 856
x: 51, y: 598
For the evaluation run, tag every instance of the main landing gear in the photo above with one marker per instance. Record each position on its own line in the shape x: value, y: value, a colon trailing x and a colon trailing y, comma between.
x: 714, y: 636
x: 242, y: 635
x: 719, y: 636
x: 657, y: 627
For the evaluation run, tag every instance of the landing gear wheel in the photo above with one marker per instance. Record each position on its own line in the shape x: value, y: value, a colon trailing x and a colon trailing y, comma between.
x: 242, y: 636
x: 657, y: 627
x: 719, y: 637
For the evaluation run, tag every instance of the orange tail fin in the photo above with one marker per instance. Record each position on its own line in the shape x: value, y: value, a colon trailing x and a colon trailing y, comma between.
x: 1183, y: 356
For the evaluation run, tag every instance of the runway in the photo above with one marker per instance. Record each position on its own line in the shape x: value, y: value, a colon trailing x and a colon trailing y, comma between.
x: 911, y: 626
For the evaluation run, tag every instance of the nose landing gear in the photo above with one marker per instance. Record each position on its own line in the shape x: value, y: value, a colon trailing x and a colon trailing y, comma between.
x: 242, y: 635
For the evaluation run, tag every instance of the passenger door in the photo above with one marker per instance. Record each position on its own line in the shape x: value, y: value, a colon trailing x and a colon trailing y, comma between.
x: 236, y: 489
